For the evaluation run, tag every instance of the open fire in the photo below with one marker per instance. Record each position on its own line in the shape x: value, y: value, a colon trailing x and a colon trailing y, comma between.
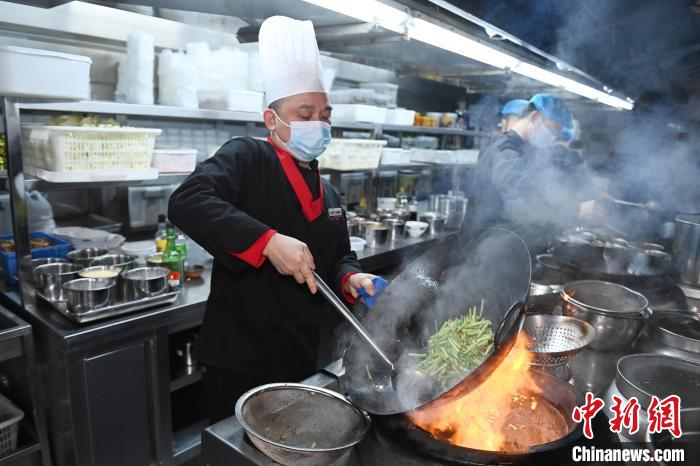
x: 505, y: 413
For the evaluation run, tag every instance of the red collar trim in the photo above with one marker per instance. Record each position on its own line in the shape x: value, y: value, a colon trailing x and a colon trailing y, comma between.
x: 310, y: 207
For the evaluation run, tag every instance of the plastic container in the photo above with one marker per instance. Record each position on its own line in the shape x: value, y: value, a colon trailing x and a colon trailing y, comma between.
x: 359, y: 112
x: 140, y: 249
x: 357, y: 244
x: 390, y: 90
x: 10, y: 417
x: 28, y: 72
x: 175, y: 160
x: 448, y: 120
x: 81, y: 237
x: 400, y: 116
x: 240, y: 101
x: 466, y: 156
x: 60, y: 249
x: 88, y: 149
x: 359, y: 96
x: 352, y: 154
x: 392, y: 156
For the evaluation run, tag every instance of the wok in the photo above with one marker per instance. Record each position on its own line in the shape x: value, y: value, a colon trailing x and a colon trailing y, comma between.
x: 439, y: 285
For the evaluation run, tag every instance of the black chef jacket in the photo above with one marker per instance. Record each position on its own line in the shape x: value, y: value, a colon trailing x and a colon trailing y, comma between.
x: 258, y: 321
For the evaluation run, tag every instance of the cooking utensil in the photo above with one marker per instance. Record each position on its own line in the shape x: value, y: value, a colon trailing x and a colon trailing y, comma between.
x: 616, y: 312
x: 296, y: 424
x: 672, y: 333
x: 439, y: 285
x: 120, y: 289
x: 375, y: 233
x: 645, y: 375
x: 145, y: 282
x: 84, y: 257
x: 689, y: 441
x: 686, y: 248
x: 651, y: 205
x: 396, y: 229
x: 435, y: 221
x: 124, y: 261
x: 350, y: 317
x: 89, y: 294
x: 555, y: 339
x: 51, y: 278
x: 557, y: 392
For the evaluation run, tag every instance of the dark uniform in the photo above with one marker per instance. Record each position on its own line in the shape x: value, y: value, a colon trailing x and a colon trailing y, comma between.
x: 259, y: 326
x: 530, y: 192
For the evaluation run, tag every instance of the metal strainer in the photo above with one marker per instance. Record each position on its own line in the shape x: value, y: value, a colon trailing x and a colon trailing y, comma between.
x: 296, y: 424
x: 555, y: 339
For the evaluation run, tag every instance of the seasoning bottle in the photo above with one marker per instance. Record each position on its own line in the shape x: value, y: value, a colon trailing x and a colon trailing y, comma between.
x: 413, y: 209
x: 161, y: 234
x: 181, y: 245
x: 172, y: 260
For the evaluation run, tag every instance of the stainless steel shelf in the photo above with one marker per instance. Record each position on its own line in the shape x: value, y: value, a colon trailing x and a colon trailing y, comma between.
x: 41, y: 185
x: 164, y: 111
x: 415, y: 166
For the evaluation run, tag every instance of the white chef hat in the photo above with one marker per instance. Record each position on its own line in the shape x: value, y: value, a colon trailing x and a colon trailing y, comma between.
x: 289, y: 57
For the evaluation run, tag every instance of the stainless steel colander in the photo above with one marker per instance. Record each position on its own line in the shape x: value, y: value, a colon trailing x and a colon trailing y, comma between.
x: 296, y: 424
x: 555, y: 339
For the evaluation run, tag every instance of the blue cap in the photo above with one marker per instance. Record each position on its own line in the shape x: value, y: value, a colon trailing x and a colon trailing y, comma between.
x: 566, y: 134
x: 553, y: 108
x: 515, y: 107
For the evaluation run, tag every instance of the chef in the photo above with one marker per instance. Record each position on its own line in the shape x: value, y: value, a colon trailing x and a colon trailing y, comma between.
x: 507, y: 183
x: 511, y: 113
x: 262, y: 210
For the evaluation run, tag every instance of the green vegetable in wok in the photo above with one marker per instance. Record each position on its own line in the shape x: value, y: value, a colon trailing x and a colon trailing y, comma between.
x: 458, y: 347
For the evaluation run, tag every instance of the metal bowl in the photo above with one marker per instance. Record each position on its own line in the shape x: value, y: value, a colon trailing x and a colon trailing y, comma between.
x: 397, y: 229
x: 84, y: 257
x: 375, y: 233
x: 616, y: 312
x: 435, y: 221
x: 155, y: 260
x: 145, y: 282
x: 88, y: 294
x: 124, y: 261
x: 296, y: 424
x: 119, y: 292
x: 51, y: 277
x: 46, y: 260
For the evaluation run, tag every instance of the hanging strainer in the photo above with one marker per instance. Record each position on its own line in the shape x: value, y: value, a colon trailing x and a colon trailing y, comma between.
x: 555, y: 339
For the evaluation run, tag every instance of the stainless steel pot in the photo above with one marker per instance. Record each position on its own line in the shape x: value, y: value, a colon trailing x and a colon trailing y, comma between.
x: 672, y: 333
x: 616, y: 312
x: 435, y: 221
x: 355, y: 226
x: 155, y: 260
x: 145, y: 282
x: 87, y: 294
x: 84, y: 257
x: 46, y: 260
x: 543, y: 298
x: 645, y: 375
x: 297, y: 424
x: 51, y: 277
x: 686, y: 248
x: 396, y: 229
x: 123, y: 261
x: 120, y: 291
x: 375, y: 233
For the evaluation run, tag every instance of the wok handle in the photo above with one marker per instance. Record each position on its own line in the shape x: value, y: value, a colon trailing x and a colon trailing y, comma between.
x: 647, y: 312
x: 350, y: 317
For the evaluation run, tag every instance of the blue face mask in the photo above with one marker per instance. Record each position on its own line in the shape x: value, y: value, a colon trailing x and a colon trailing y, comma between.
x: 542, y: 136
x: 308, y: 139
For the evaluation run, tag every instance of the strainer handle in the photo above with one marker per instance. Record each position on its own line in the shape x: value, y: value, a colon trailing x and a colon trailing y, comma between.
x: 647, y: 312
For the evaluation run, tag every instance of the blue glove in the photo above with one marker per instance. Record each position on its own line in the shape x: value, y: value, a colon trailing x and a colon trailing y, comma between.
x: 379, y: 285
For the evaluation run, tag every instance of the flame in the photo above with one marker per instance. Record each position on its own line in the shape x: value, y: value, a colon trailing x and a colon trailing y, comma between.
x: 481, y: 418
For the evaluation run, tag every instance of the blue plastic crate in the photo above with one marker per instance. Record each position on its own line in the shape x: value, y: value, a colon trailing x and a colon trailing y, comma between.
x: 60, y: 249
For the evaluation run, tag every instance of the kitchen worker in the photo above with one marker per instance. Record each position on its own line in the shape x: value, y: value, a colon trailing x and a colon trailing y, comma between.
x: 507, y: 186
x: 262, y: 210
x: 511, y: 113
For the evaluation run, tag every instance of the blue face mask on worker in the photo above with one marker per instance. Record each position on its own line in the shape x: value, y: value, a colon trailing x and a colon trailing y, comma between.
x: 308, y: 139
x: 542, y: 136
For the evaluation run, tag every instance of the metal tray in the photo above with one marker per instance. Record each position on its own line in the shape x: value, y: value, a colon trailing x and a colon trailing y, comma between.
x: 110, y: 311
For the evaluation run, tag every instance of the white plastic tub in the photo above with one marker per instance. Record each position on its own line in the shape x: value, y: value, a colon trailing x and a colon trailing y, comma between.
x: 390, y: 90
x: 175, y: 160
x: 394, y: 156
x: 400, y: 116
x: 240, y: 101
x: 352, y: 154
x: 42, y: 73
x: 359, y: 112
x: 357, y: 244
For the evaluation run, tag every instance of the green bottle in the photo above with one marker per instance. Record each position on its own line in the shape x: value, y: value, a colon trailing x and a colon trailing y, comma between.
x: 173, y: 260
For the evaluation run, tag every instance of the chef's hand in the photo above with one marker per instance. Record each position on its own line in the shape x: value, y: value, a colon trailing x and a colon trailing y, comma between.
x: 591, y: 211
x: 360, y: 280
x: 290, y: 256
